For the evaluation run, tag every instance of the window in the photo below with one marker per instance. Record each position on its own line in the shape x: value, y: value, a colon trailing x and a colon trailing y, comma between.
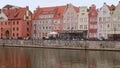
x: 27, y: 23
x: 17, y: 28
x: 83, y: 13
x: 5, y: 23
x: 1, y: 34
x: 72, y: 28
x: 8, y: 23
x: 81, y: 26
x: 118, y: 25
x: 1, y: 18
x: 17, y: 23
x: 85, y: 26
x: 81, y: 19
x: 13, y: 29
x: 17, y: 34
x: 27, y: 35
x: 100, y: 19
x: 43, y: 27
x: 104, y: 18
x: 68, y: 27
x: 49, y: 27
x: 13, y: 34
x: 114, y: 25
x: 13, y: 23
x: 104, y: 12
x: 108, y: 25
x: 26, y: 17
x: 46, y: 27
x: 1, y: 29
x: 28, y: 29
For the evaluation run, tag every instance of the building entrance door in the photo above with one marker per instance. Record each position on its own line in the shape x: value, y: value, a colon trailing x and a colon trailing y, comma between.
x: 7, y: 33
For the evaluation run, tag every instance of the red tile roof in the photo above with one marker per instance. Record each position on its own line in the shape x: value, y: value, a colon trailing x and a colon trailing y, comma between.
x: 76, y: 9
x: 14, y: 13
x: 57, y: 11
x: 8, y: 6
x: 111, y: 8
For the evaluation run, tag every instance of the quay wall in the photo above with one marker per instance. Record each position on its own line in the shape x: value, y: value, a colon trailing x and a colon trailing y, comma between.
x: 35, y: 54
x: 63, y: 44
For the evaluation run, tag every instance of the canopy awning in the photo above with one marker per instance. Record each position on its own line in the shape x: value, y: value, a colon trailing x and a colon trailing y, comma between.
x: 53, y: 33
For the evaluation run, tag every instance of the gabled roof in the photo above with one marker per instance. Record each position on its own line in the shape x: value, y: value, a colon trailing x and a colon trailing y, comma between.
x: 57, y: 11
x: 111, y: 8
x: 15, y: 13
x: 76, y: 9
x: 8, y: 6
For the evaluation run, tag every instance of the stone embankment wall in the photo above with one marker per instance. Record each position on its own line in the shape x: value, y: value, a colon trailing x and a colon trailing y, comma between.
x: 63, y: 44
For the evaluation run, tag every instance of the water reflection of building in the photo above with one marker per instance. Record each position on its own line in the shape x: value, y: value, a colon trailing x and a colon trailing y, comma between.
x: 14, y: 58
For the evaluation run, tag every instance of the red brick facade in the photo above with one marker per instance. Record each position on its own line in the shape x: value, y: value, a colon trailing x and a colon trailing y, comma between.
x: 18, y: 24
x: 92, y: 25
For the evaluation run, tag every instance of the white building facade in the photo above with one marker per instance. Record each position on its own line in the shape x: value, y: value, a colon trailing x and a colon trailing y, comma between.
x: 104, y: 22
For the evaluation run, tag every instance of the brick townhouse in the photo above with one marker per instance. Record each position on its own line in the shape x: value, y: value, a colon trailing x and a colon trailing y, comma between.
x: 15, y: 22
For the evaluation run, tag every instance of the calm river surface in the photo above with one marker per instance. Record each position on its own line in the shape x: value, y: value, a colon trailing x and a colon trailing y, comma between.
x: 21, y: 57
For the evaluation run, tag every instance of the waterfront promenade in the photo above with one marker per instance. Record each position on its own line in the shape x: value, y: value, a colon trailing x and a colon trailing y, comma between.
x: 64, y: 44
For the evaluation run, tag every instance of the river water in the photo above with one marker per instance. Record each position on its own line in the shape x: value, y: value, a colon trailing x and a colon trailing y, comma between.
x: 22, y: 57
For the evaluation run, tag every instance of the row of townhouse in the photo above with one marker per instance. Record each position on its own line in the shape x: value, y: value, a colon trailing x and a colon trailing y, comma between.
x: 68, y: 20
x: 54, y: 19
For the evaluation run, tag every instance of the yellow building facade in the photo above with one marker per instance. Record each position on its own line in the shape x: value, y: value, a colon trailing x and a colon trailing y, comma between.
x: 115, y: 23
x: 83, y: 18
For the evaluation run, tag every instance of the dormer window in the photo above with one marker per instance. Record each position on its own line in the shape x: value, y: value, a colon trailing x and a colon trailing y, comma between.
x: 14, y: 17
x: 1, y: 18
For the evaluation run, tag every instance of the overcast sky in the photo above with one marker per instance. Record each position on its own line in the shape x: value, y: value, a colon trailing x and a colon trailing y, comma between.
x: 45, y: 3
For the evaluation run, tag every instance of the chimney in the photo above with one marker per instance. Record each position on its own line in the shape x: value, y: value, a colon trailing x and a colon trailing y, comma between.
x: 104, y: 2
x: 34, y: 11
x: 27, y: 7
